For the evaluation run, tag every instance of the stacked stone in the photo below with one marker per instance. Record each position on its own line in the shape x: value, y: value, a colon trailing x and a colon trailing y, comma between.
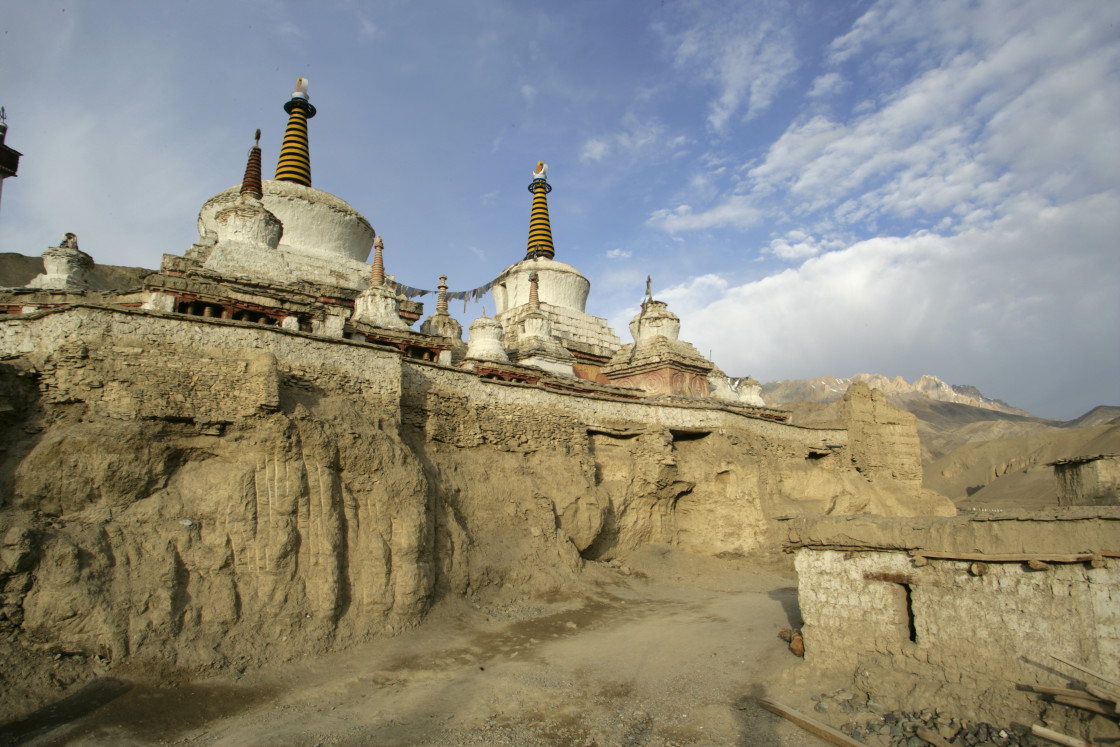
x: 914, y: 728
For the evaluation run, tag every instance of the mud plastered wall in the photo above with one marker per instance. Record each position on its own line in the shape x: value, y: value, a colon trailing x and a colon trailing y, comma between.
x: 940, y: 634
x: 202, y: 493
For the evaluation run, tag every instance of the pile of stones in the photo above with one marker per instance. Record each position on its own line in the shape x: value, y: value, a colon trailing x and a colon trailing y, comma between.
x: 873, y: 724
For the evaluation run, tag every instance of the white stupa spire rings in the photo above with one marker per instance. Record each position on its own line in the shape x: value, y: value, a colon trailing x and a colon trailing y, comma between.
x: 300, y: 98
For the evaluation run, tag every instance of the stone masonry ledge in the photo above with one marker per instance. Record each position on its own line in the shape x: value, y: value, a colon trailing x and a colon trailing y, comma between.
x: 206, y: 320
x: 220, y: 285
x: 586, y: 389
x: 583, y: 389
x: 1007, y: 537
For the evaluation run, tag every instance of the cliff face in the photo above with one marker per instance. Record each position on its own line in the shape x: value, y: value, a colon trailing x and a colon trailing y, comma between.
x: 201, y: 493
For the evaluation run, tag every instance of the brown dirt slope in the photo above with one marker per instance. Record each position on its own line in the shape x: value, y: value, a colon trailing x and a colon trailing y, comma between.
x: 1013, y: 472
x: 1097, y: 416
x: 173, y: 496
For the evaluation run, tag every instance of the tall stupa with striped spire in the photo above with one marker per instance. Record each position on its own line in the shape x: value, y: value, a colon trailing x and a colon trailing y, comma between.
x: 539, y: 289
x: 323, y: 240
x: 295, y: 157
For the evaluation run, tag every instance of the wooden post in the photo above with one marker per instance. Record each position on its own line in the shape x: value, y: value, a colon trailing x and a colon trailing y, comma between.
x: 824, y: 731
x: 1057, y: 737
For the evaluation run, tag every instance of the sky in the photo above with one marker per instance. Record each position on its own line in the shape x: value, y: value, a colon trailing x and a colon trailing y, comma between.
x: 816, y: 188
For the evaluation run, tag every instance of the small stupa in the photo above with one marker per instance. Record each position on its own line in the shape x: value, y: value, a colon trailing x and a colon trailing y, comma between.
x: 658, y: 361
x: 378, y: 305
x: 65, y: 267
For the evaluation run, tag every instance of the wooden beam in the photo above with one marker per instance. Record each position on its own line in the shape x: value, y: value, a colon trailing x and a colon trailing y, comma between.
x: 1007, y: 557
x: 1085, y: 704
x: 1057, y: 737
x: 1086, y: 670
x: 1108, y: 696
x: 824, y: 731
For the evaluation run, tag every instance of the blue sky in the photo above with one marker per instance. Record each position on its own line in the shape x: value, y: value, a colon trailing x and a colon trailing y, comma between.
x: 816, y: 188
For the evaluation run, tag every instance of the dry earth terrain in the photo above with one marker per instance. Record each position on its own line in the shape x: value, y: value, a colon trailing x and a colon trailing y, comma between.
x: 665, y: 648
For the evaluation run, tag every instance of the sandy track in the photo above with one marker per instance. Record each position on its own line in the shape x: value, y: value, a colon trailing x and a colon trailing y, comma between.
x: 678, y: 653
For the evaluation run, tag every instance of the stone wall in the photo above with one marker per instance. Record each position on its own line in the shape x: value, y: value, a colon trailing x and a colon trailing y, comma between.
x: 204, y: 365
x: 202, y: 492
x: 1088, y: 481
x: 923, y: 630
x: 198, y: 491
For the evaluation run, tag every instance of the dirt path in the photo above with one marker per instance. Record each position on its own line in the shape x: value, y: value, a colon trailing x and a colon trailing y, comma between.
x: 676, y: 653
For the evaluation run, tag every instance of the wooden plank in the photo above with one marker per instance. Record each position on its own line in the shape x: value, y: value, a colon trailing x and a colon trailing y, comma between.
x: 1085, y: 704
x: 811, y: 725
x: 1057, y: 737
x: 1007, y: 557
x: 1086, y: 670
x: 1047, y: 690
x: 1107, y: 696
x: 894, y: 578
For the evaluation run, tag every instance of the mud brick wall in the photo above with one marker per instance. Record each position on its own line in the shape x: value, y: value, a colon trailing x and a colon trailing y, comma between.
x: 432, y: 395
x: 972, y: 630
x: 140, y: 364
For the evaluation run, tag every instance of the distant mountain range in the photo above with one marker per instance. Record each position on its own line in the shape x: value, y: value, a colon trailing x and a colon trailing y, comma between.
x: 979, y: 451
x: 949, y: 415
x: 830, y: 388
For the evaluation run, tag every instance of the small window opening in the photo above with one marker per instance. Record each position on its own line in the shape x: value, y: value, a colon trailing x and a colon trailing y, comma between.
x: 687, y: 435
x: 910, y: 613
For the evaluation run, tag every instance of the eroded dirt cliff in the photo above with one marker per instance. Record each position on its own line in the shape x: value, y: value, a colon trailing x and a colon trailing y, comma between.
x: 198, y: 496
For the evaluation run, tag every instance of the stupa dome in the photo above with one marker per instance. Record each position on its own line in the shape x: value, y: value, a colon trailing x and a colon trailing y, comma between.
x: 315, y: 222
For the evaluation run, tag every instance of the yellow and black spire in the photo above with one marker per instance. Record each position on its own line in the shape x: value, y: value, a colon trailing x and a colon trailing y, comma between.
x: 295, y: 158
x: 540, y: 232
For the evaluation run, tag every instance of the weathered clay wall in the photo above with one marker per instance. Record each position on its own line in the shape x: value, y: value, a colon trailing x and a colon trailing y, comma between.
x: 884, y: 441
x: 1089, y: 482
x: 620, y: 474
x: 950, y: 632
x: 198, y: 491
x: 138, y: 350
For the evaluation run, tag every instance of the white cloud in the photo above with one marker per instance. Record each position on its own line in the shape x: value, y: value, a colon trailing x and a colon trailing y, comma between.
x: 367, y: 29
x: 1003, y: 114
x: 747, y: 55
x: 618, y: 254
x: 983, y: 307
x: 827, y: 84
x: 736, y: 210
x: 595, y: 149
x: 798, y: 245
x: 529, y: 93
x: 636, y: 138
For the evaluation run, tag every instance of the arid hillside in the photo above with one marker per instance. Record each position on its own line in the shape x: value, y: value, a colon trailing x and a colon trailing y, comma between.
x: 1010, y: 473
x: 213, y: 493
x: 949, y: 416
